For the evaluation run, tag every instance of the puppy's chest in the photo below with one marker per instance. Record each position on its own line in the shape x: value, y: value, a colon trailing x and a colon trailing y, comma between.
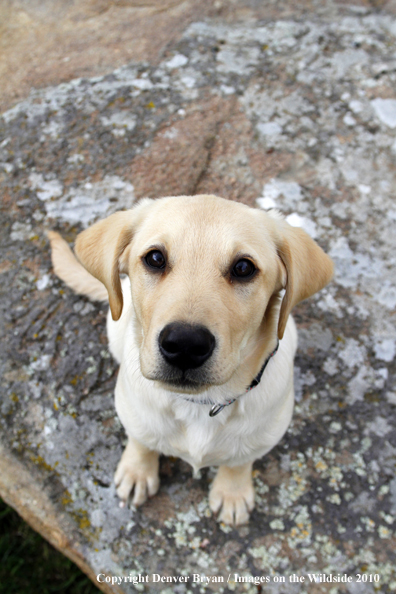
x: 198, y: 439
x: 193, y: 440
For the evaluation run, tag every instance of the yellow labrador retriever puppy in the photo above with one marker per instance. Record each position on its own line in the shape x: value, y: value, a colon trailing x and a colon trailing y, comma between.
x: 201, y: 328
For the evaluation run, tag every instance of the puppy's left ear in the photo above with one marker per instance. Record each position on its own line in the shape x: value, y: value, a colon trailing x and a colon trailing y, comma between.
x: 102, y: 249
x: 308, y: 268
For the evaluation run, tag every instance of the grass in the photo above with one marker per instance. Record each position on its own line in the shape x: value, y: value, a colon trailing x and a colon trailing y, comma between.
x: 29, y: 564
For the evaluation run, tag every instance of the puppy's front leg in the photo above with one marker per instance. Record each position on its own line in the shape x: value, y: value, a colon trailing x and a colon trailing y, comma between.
x: 232, y: 491
x: 137, y: 471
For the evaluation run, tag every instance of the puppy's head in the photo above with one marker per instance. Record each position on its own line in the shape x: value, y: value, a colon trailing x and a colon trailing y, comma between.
x: 206, y: 279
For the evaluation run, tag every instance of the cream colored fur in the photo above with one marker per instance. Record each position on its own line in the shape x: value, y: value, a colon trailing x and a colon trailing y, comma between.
x: 201, y: 237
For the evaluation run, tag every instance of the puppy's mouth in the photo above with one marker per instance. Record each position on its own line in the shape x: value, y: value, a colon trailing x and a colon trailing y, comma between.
x: 184, y: 383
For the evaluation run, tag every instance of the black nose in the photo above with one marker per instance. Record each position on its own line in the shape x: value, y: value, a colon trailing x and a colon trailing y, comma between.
x: 186, y: 346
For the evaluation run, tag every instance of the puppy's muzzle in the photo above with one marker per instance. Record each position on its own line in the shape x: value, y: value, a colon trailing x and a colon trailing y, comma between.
x: 186, y: 346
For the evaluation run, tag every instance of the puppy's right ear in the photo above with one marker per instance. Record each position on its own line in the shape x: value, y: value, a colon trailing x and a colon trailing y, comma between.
x: 101, y: 248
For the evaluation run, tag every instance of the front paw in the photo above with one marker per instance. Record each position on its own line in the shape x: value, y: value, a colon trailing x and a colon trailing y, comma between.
x: 137, y: 473
x: 232, y: 494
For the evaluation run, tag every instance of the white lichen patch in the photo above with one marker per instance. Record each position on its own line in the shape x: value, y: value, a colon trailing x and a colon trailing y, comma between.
x: 277, y: 524
x: 385, y: 349
x: 269, y: 129
x: 379, y: 426
x: 387, y: 295
x: 352, y: 354
x: 43, y: 282
x: 268, y: 558
x: 301, y: 533
x: 368, y: 523
x: 290, y: 491
x: 334, y: 498
x: 385, y: 110
x: 41, y: 363
x: 21, y: 231
x: 261, y: 488
x: 384, y: 532
x: 290, y: 192
x: 177, y: 61
x: 120, y: 122
x: 90, y: 201
x: 46, y: 189
x: 183, y: 528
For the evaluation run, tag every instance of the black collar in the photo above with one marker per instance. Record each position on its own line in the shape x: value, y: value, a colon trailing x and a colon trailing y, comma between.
x: 217, y: 408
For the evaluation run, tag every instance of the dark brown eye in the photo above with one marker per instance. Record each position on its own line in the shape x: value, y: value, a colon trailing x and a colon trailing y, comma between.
x: 155, y: 259
x: 243, y: 269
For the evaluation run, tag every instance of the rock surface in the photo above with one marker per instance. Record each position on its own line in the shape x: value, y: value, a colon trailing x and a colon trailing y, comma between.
x: 295, y: 108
